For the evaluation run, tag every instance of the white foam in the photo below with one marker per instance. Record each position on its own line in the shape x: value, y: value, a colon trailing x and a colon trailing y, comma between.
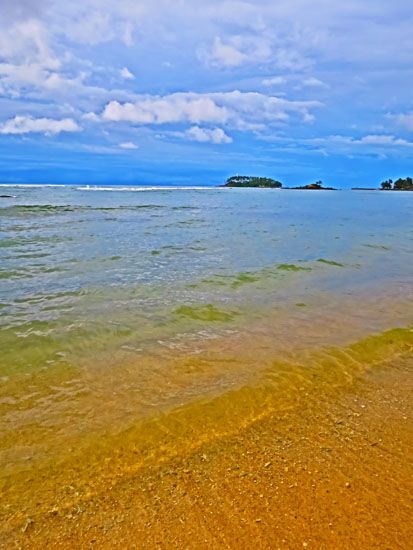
x: 35, y: 185
x: 146, y: 188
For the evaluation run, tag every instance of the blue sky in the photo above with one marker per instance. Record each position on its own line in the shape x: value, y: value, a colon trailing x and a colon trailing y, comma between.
x: 190, y: 92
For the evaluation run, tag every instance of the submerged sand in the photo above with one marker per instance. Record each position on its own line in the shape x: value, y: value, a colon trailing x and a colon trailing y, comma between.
x: 320, y: 458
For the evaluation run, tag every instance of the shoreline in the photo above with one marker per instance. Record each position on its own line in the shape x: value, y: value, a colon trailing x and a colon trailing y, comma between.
x: 213, y: 488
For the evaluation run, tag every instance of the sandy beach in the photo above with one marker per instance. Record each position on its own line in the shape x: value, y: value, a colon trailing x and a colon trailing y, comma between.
x: 329, y: 466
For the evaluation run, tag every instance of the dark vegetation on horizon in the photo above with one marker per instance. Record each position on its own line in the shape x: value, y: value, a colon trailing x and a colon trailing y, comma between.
x: 401, y: 184
x: 252, y: 181
x: 317, y: 186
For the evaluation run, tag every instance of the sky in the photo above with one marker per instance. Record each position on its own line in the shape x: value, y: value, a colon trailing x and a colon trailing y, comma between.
x: 190, y: 92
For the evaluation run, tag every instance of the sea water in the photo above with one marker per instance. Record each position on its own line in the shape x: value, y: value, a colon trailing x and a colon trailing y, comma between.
x: 123, y: 304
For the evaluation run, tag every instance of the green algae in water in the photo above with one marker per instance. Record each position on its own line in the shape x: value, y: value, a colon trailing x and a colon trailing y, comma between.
x: 129, y: 207
x: 24, y: 241
x: 40, y: 208
x: 244, y: 279
x: 231, y: 281
x: 377, y: 246
x: 249, y: 277
x: 16, y: 274
x: 209, y: 313
x: 216, y: 280
x: 292, y: 267
x: 329, y: 262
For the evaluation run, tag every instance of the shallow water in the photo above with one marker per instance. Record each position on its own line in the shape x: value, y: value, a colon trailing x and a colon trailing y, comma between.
x: 121, y: 305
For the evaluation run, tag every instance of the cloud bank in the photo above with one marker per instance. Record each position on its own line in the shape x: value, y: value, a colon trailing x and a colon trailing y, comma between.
x: 242, y: 74
x: 29, y: 125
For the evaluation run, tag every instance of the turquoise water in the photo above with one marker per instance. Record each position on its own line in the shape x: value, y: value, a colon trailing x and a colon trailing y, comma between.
x: 124, y: 267
x: 118, y: 305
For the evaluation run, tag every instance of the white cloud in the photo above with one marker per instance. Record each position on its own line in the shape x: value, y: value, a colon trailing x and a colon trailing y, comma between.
x: 93, y: 27
x: 274, y: 81
x: 225, y: 55
x: 95, y: 22
x: 91, y: 117
x: 30, y: 62
x: 405, y: 119
x: 21, y: 9
x: 27, y: 42
x: 313, y: 82
x: 382, y: 139
x: 127, y: 36
x: 373, y: 139
x: 241, y: 110
x: 126, y: 74
x: 128, y: 145
x: 204, y: 135
x: 33, y: 64
x: 48, y: 126
x: 308, y: 118
x: 372, y: 144
x: 178, y: 107
x: 241, y: 49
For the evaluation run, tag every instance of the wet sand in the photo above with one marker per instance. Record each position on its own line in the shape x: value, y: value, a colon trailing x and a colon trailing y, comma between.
x: 330, y: 468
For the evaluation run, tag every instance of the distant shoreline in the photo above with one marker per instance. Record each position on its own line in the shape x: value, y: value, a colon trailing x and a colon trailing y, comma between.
x: 140, y: 187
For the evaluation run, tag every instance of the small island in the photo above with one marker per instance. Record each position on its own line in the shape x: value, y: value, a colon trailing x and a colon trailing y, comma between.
x: 401, y: 184
x: 252, y: 181
x: 317, y: 186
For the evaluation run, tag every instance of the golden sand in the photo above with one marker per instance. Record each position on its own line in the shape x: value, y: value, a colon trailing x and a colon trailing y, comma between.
x: 317, y: 454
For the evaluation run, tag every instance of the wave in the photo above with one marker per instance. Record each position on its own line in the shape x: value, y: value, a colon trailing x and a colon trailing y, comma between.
x: 78, y: 187
x: 33, y: 185
x: 147, y: 188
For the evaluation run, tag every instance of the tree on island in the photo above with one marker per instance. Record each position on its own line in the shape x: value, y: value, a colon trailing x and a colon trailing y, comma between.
x: 405, y: 184
x: 387, y: 185
x: 252, y: 181
x: 317, y: 186
x: 402, y: 184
